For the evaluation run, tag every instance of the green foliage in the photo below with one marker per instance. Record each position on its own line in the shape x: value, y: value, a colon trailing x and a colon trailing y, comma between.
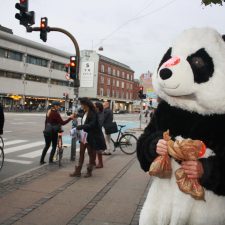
x: 208, y: 2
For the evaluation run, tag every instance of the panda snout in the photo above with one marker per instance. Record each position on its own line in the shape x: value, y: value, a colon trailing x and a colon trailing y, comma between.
x: 165, y: 73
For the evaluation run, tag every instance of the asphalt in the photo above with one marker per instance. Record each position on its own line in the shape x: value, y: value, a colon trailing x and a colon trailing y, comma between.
x: 47, y: 195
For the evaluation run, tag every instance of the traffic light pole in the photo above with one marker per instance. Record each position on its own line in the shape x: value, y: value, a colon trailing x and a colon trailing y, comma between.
x: 141, y: 111
x: 76, y: 82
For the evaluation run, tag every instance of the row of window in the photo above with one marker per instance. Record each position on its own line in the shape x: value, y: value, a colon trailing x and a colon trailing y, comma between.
x: 116, y: 94
x: 117, y: 73
x: 34, y: 78
x: 18, y: 56
x: 116, y: 83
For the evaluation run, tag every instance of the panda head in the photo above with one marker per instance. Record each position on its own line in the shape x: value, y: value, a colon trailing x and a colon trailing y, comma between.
x: 191, y: 75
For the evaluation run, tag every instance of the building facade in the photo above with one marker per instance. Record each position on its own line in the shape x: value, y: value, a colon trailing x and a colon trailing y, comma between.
x: 31, y: 74
x: 110, y: 80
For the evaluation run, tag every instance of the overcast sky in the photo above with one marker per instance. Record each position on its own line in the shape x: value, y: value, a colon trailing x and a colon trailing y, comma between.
x: 139, y: 43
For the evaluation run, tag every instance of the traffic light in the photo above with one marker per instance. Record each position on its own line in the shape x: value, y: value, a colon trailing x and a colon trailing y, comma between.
x: 73, y: 68
x: 26, y: 18
x: 44, y: 28
x: 140, y: 93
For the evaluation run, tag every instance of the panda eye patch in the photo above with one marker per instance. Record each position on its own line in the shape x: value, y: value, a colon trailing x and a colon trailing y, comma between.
x: 198, y: 62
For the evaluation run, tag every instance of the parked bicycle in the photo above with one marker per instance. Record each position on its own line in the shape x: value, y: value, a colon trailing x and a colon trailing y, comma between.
x: 2, y: 155
x: 126, y: 141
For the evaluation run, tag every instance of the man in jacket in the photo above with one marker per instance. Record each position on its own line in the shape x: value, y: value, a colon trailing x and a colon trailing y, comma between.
x: 2, y: 119
x: 108, y: 119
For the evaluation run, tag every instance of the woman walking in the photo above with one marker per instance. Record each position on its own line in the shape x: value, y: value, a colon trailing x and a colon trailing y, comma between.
x: 100, y: 111
x: 53, y: 123
x: 94, y: 140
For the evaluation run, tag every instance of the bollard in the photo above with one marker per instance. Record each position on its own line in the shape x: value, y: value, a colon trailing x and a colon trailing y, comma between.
x: 73, y: 149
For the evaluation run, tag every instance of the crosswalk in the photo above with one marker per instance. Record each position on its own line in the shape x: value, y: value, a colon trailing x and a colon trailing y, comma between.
x: 23, y: 151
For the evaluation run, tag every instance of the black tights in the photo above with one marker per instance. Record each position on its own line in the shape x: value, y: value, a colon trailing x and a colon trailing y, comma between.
x: 48, y: 140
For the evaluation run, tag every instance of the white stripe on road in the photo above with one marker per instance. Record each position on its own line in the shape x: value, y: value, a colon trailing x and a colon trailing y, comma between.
x: 18, y: 161
x: 33, y: 154
x: 7, y: 143
x: 23, y: 147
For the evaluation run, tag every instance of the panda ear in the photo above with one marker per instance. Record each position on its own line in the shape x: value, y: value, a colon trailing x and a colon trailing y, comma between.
x: 166, y: 57
x: 223, y: 36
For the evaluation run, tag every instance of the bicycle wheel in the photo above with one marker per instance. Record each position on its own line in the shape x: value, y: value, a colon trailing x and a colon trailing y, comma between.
x: 60, y: 154
x: 1, y: 157
x: 128, y: 143
x: 1, y: 142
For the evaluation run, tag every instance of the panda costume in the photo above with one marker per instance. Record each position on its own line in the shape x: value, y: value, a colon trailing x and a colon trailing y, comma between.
x: 192, y: 92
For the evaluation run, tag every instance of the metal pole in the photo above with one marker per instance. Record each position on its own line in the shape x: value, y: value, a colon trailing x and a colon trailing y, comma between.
x: 76, y: 82
x: 141, y: 112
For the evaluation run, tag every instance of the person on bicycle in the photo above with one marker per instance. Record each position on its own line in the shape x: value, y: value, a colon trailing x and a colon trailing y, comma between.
x: 53, y: 120
x: 94, y: 138
x: 2, y: 119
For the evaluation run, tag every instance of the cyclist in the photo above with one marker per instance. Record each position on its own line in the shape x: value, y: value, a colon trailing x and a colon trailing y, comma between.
x: 2, y: 119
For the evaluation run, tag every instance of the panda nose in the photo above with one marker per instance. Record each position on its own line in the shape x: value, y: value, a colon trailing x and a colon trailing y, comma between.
x: 165, y: 73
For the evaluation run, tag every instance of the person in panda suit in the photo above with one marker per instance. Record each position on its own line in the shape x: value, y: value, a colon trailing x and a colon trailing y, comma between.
x: 190, y: 81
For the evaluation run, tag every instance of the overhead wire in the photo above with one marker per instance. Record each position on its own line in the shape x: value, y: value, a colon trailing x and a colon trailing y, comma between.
x: 137, y: 18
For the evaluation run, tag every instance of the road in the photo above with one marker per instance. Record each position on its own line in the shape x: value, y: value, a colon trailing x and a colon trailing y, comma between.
x: 24, y: 140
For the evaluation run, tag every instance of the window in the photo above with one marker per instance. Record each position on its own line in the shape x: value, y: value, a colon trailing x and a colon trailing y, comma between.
x: 15, y: 55
x: 37, y: 61
x: 36, y: 78
x: 108, y: 92
x: 101, y: 91
x: 58, y: 66
x: 131, y: 77
x: 102, y: 68
x: 109, y: 70
x: 10, y: 75
x: 117, y: 94
x: 102, y: 80
x: 122, y: 94
x: 127, y: 95
x: 11, y: 54
x: 108, y: 81
x: 131, y: 86
x: 113, y: 93
x: 114, y: 72
x: 128, y: 76
x: 117, y: 83
x: 123, y: 74
x: 114, y: 82
x: 122, y: 84
x: 131, y: 95
x: 59, y: 82
x: 118, y: 73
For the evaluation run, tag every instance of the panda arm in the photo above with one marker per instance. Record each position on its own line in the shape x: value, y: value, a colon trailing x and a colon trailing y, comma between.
x: 146, y: 145
x: 214, y: 174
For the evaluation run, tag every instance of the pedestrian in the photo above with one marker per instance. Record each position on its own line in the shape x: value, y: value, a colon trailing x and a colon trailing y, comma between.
x: 146, y: 115
x: 2, y: 119
x: 99, y: 109
x: 94, y: 139
x: 108, y: 119
x: 53, y: 123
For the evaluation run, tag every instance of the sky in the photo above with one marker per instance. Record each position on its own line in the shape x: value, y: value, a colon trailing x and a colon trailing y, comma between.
x: 136, y: 33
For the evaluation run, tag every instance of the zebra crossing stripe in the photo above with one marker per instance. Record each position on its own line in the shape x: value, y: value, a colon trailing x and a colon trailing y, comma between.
x: 32, y: 154
x: 18, y: 161
x: 7, y: 143
x: 23, y: 147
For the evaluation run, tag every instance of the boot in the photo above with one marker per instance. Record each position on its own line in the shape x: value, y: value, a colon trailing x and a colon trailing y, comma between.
x: 89, y: 171
x: 100, y: 162
x: 77, y: 172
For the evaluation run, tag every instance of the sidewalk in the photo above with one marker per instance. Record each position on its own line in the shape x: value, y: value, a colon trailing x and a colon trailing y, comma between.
x: 48, y: 196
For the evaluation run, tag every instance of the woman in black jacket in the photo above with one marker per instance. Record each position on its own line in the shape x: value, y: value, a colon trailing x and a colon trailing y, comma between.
x: 95, y: 138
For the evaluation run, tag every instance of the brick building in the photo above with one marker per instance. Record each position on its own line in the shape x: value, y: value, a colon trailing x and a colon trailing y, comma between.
x: 110, y: 80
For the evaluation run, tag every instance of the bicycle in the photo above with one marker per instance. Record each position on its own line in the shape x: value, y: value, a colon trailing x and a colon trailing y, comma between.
x: 2, y: 155
x: 126, y: 141
x: 60, y: 148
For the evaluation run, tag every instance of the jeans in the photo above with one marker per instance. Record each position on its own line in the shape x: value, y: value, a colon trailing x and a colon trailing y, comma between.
x: 48, y: 140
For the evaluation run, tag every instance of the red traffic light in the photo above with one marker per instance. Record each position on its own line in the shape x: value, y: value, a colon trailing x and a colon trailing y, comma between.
x: 22, y: 1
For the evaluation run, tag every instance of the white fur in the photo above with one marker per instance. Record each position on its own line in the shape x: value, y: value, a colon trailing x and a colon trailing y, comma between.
x: 206, y: 98
x: 167, y: 205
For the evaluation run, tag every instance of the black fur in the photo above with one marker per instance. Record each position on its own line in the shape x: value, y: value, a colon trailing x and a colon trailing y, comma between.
x: 210, y: 129
x: 166, y: 57
x: 202, y: 65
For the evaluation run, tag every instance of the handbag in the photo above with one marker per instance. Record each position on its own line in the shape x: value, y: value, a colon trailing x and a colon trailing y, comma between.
x: 111, y: 128
x: 51, y: 128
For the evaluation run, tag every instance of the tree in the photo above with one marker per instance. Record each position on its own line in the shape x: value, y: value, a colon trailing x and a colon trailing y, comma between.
x: 208, y: 2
